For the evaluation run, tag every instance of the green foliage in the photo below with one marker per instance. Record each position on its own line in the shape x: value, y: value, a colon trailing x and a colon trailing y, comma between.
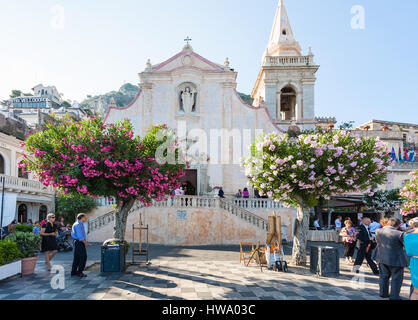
x: 15, y: 94
x: 246, y: 98
x: 70, y: 205
x: 28, y: 243
x: 23, y: 228
x: 9, y: 252
x: 66, y: 104
x: 19, y: 93
x: 122, y: 97
x: 384, y: 201
x: 409, y: 194
x: 347, y: 125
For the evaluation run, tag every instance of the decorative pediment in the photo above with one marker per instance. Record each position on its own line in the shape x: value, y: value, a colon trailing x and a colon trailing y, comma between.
x: 187, y: 59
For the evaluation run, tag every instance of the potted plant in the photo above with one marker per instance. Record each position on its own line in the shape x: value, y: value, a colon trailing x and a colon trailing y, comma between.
x: 29, y: 244
x: 10, y: 264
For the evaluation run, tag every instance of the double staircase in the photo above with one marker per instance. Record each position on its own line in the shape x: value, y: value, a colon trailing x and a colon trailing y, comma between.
x: 235, y: 207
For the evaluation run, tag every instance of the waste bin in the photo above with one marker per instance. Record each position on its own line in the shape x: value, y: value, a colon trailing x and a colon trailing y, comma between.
x: 325, y: 261
x: 113, y: 256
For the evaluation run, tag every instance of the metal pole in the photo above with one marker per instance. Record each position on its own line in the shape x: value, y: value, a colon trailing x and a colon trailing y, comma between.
x: 2, y: 208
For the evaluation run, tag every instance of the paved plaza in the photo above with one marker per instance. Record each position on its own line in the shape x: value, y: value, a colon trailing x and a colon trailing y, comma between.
x: 190, y: 274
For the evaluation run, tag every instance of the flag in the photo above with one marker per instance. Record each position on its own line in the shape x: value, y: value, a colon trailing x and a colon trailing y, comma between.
x: 412, y: 155
x: 400, y: 155
x: 393, y: 155
x: 406, y: 157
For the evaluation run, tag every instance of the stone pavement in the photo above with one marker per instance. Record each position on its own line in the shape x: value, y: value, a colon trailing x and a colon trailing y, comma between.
x: 190, y: 274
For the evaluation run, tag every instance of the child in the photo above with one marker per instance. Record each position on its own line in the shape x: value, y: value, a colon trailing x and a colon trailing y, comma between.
x: 37, y: 228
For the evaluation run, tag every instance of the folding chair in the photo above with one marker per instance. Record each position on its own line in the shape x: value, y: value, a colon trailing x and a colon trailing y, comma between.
x: 243, y: 255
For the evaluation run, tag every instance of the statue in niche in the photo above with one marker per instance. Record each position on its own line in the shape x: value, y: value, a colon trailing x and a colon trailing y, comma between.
x: 188, y: 100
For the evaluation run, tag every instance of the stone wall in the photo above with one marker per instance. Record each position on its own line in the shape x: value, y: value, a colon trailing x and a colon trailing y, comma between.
x: 206, y: 226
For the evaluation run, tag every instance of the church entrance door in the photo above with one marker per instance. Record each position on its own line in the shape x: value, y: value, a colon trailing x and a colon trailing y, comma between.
x: 190, y: 183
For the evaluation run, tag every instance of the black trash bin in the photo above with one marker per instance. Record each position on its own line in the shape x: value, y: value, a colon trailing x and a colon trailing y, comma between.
x: 113, y: 257
x: 325, y: 261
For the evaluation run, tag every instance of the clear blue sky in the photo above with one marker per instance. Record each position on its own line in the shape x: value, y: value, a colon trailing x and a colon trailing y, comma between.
x: 365, y: 74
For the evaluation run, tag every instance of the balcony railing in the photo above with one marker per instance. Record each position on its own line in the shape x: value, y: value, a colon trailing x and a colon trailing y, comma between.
x: 24, y: 185
x: 257, y: 204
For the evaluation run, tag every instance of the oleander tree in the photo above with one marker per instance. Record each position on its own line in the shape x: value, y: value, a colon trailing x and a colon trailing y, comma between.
x: 106, y: 160
x: 409, y: 193
x: 300, y: 171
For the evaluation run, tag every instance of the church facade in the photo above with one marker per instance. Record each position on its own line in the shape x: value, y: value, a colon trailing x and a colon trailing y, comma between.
x: 198, y: 99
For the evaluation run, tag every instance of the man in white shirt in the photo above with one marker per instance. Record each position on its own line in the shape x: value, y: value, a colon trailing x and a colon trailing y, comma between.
x: 316, y: 224
x: 374, y: 226
x: 339, y: 222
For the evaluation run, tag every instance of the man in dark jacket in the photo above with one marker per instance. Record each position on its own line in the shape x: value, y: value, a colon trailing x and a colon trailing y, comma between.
x: 365, y: 247
x: 392, y: 259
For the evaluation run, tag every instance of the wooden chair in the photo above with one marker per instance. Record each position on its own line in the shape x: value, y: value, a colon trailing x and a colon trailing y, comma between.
x: 244, y: 255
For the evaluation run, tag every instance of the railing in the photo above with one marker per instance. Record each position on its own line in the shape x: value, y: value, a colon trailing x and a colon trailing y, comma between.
x: 288, y: 61
x: 244, y: 214
x: 21, y: 184
x: 101, y: 221
x: 257, y: 204
x: 187, y: 202
x: 106, y: 202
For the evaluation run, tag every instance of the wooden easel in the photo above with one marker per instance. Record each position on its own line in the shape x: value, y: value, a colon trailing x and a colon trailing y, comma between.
x: 274, y: 235
x: 257, y: 252
x: 141, y: 251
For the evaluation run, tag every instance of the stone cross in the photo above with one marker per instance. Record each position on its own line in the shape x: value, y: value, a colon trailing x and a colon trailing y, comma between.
x: 187, y: 40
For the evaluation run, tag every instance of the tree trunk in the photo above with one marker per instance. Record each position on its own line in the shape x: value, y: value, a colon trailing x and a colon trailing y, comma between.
x: 300, y: 237
x: 121, y: 218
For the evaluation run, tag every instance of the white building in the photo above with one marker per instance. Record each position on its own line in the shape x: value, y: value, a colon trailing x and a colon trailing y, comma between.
x: 38, y: 108
x: 24, y: 197
x: 190, y: 93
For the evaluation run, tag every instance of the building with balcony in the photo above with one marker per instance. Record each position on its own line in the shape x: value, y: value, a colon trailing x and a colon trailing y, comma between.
x: 41, y: 107
x: 394, y: 138
x: 25, y: 198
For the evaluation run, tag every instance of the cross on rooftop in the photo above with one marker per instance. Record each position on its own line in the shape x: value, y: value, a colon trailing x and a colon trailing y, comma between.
x: 187, y: 40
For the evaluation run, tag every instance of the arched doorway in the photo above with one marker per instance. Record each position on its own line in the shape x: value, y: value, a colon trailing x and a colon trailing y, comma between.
x: 2, y: 165
x: 43, y: 212
x: 288, y: 104
x: 189, y: 182
x: 22, y: 213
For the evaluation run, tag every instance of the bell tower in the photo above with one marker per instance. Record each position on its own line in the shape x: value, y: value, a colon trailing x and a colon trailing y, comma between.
x: 286, y: 82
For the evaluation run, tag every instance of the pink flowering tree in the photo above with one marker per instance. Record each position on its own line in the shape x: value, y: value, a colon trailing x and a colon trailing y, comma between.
x: 410, y: 194
x: 100, y: 160
x: 300, y: 171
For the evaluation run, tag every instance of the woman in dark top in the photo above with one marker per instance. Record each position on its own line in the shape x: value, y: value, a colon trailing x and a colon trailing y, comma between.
x: 49, y: 232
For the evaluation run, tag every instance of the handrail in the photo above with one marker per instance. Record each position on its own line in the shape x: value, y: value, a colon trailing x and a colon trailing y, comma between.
x: 244, y: 214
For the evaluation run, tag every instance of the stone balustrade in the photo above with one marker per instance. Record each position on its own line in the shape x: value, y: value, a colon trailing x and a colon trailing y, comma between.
x: 258, y: 204
x: 24, y: 185
x: 184, y: 202
x: 106, y: 202
x: 270, y: 61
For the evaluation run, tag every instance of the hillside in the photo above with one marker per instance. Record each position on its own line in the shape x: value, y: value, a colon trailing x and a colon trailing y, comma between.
x: 124, y: 96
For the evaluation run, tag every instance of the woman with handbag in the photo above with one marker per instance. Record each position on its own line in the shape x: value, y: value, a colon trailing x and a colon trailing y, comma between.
x: 349, y: 238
